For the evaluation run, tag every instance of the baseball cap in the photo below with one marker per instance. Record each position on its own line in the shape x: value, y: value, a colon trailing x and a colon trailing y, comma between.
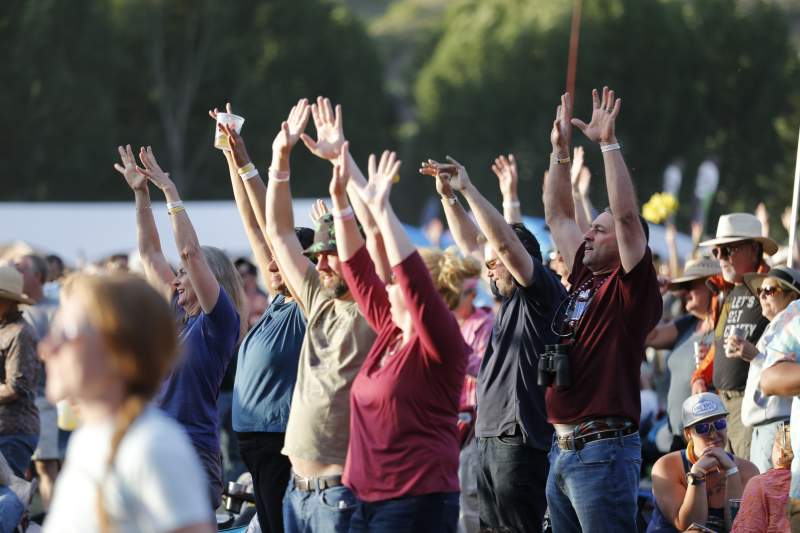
x: 701, y: 407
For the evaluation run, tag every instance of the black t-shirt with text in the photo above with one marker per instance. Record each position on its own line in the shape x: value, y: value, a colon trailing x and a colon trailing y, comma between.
x: 740, y: 309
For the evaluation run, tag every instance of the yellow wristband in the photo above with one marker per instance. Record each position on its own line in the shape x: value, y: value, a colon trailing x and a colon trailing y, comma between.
x: 176, y: 210
x: 245, y: 169
x: 560, y: 160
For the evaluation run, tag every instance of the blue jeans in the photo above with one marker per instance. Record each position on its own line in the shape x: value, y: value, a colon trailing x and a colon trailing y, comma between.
x: 18, y: 449
x: 512, y: 478
x: 429, y: 513
x: 595, y: 489
x: 11, y: 509
x: 327, y: 511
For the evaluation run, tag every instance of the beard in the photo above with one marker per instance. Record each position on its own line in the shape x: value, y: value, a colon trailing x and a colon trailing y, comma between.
x: 505, y: 287
x: 336, y: 289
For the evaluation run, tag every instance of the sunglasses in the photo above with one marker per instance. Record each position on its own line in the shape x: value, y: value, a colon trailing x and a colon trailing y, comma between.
x: 703, y: 428
x: 769, y: 291
x: 491, y: 264
x: 725, y: 251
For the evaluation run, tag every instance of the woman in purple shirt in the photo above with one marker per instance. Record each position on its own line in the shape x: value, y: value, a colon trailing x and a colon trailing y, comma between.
x: 402, y: 462
x: 209, y: 294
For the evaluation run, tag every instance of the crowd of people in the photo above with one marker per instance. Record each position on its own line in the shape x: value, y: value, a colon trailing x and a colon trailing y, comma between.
x: 372, y: 392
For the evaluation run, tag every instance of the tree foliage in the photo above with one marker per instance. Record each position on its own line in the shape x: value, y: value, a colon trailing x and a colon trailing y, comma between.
x: 698, y: 78
x: 85, y: 76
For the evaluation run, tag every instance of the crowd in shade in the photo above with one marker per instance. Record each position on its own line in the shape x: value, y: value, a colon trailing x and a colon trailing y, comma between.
x: 358, y: 383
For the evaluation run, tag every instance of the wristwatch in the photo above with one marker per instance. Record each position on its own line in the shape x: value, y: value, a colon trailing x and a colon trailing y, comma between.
x: 695, y: 479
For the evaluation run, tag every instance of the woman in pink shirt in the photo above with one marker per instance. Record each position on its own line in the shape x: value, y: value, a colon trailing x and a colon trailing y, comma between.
x: 402, y: 461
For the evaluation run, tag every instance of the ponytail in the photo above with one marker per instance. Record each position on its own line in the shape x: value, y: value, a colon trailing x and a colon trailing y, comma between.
x: 127, y: 415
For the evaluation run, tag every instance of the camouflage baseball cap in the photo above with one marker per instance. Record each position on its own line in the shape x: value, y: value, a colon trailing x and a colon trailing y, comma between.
x: 324, y: 237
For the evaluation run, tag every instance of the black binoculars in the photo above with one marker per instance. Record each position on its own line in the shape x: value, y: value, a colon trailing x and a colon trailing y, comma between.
x: 554, y: 366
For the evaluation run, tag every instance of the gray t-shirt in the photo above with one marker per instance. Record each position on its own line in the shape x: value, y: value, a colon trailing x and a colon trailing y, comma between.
x: 337, y: 341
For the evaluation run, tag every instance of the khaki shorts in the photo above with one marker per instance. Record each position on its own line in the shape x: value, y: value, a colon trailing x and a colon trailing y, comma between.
x: 47, y: 449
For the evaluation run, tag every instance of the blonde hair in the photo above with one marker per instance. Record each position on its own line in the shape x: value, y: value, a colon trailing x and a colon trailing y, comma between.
x: 138, y: 327
x: 230, y: 280
x: 449, y: 271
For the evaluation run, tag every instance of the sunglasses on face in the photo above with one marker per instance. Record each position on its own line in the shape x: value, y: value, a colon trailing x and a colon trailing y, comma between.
x: 491, y: 264
x: 769, y: 291
x: 704, y: 428
x: 726, y: 251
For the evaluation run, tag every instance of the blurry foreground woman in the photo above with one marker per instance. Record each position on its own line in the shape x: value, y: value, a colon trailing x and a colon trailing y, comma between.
x: 130, y: 467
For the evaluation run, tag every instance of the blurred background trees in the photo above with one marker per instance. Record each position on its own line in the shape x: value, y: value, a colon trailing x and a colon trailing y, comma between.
x: 468, y: 78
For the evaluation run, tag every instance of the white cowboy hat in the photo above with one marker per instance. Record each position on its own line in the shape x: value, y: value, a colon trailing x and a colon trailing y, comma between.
x: 695, y: 269
x: 737, y: 227
x: 11, y: 285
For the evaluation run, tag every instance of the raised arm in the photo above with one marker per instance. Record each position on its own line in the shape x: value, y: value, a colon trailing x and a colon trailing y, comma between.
x: 279, y: 214
x: 505, y: 168
x: 238, y: 158
x: 205, y: 284
x: 580, y: 178
x: 499, y: 234
x: 156, y: 267
x: 621, y: 194
x: 431, y: 318
x: 328, y: 146
x: 466, y: 234
x: 559, y: 209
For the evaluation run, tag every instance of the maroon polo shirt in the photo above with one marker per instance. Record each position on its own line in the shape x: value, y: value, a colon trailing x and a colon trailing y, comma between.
x: 606, y: 357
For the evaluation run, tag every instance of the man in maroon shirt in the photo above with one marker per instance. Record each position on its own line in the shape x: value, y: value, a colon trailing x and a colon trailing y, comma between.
x: 613, y: 305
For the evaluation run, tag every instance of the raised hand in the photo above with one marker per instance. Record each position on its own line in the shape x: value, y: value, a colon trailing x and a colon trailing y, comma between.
x: 330, y: 134
x: 604, y: 114
x: 561, y: 134
x: 454, y: 173
x: 151, y: 169
x: 341, y: 172
x: 318, y: 210
x: 442, y: 177
x: 381, y: 176
x: 238, y: 149
x: 505, y: 168
x: 292, y: 128
x: 136, y: 180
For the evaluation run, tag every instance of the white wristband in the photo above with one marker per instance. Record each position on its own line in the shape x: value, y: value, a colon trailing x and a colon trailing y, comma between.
x: 173, y: 205
x: 511, y: 205
x: 249, y: 175
x: 344, y: 214
x: 610, y: 147
x: 278, y: 175
x: 732, y: 471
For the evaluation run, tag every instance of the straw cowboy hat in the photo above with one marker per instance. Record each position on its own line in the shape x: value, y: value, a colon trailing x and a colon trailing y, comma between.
x: 787, y: 278
x: 695, y: 269
x: 11, y: 285
x: 737, y: 227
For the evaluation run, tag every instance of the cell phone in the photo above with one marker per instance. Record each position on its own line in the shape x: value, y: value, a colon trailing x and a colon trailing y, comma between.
x: 694, y: 526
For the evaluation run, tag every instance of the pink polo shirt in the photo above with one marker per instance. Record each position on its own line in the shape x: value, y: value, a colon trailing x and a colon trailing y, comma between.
x: 403, y: 439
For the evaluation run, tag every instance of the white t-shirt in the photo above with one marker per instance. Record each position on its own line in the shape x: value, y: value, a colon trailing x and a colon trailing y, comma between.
x: 157, y: 484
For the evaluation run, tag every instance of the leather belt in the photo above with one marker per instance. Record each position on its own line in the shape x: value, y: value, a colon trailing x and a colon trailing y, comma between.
x: 571, y: 442
x: 312, y: 484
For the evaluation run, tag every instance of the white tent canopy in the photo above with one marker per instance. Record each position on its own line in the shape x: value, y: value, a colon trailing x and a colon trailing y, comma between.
x: 84, y: 231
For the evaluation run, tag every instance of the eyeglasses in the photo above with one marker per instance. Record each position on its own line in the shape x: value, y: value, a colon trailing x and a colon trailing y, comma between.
x: 703, y: 428
x: 491, y: 264
x: 725, y: 251
x: 769, y: 291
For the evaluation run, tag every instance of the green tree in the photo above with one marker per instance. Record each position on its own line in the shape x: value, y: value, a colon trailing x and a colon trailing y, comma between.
x: 85, y: 76
x: 698, y: 78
